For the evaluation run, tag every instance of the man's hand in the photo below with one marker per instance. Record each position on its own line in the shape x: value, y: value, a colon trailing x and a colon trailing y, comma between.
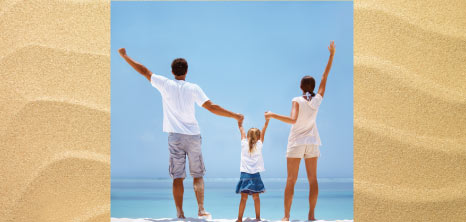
x: 331, y: 48
x: 136, y: 66
x: 240, y: 118
x: 122, y: 51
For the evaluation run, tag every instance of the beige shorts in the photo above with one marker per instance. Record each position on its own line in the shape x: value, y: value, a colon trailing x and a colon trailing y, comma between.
x: 303, y: 151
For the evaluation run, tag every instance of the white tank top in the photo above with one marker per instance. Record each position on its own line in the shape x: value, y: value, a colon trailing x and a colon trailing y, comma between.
x: 251, y: 162
x: 304, y: 131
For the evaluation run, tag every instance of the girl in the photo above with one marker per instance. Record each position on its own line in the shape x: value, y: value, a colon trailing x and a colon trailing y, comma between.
x: 252, y: 164
x: 304, y: 140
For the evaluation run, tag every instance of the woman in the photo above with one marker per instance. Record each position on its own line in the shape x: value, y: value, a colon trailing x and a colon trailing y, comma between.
x: 304, y: 140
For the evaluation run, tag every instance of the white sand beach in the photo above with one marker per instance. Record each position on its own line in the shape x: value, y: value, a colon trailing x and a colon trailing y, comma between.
x: 205, y: 220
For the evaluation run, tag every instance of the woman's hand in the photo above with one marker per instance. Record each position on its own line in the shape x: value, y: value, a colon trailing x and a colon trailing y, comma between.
x: 331, y: 48
x: 268, y: 115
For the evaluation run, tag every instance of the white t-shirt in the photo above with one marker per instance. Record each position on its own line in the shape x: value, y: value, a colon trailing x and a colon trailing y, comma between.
x: 178, y: 98
x: 304, y: 131
x: 251, y: 162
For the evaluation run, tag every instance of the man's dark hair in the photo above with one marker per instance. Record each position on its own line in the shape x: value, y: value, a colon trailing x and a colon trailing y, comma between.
x: 179, y: 67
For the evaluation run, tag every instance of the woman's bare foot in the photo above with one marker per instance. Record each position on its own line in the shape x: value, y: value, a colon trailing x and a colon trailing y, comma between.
x: 203, y: 213
x: 285, y: 219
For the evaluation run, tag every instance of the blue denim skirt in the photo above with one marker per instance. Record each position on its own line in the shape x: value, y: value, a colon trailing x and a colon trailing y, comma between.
x: 250, y: 183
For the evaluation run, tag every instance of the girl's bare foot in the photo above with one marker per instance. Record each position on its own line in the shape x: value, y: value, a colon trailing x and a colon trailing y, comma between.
x: 239, y: 220
x: 285, y: 219
x: 311, y: 217
x: 258, y: 219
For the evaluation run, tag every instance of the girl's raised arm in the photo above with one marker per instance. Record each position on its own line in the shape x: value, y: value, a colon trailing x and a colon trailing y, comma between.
x: 241, y: 129
x: 287, y: 119
x: 323, y: 82
x: 264, y: 129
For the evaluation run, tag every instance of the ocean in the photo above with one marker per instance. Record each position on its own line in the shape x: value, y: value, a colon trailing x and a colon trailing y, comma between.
x: 152, y: 198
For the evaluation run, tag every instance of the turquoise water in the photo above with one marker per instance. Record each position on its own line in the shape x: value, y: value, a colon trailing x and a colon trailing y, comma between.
x: 152, y: 198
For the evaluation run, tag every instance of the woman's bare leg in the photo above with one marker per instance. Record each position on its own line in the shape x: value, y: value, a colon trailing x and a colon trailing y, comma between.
x: 242, y: 205
x: 257, y: 205
x: 311, y: 169
x: 293, y: 168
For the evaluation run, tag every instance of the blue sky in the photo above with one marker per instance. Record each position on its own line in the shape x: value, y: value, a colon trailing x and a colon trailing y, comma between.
x: 248, y: 57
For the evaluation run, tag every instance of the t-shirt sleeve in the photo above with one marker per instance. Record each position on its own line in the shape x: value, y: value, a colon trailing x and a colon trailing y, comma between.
x: 199, y: 96
x: 316, y: 100
x: 158, y: 81
x: 244, y: 142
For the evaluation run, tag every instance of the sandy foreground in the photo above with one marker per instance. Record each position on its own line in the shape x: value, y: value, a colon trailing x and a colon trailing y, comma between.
x: 204, y: 220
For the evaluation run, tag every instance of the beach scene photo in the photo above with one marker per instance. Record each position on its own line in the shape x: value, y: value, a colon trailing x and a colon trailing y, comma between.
x: 231, y: 111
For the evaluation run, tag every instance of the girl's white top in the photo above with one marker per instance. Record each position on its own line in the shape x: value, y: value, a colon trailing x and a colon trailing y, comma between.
x: 251, y: 162
x: 304, y: 131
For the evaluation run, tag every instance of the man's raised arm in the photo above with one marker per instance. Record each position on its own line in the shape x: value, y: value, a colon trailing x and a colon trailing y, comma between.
x: 137, y: 66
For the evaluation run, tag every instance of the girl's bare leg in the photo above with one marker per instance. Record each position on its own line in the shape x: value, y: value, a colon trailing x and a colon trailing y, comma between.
x: 242, y: 205
x: 311, y: 169
x: 293, y: 168
x: 257, y: 205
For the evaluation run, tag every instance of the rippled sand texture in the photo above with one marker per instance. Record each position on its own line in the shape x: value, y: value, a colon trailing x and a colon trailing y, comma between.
x: 410, y: 110
x: 55, y: 110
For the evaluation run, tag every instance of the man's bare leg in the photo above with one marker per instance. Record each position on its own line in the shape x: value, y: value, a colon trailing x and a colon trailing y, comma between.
x: 178, y: 191
x: 198, y: 184
x: 293, y: 168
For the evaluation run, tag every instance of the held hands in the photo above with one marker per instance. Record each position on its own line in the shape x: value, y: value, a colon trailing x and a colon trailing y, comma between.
x: 331, y: 48
x: 268, y: 115
x: 122, y: 51
x: 240, y: 119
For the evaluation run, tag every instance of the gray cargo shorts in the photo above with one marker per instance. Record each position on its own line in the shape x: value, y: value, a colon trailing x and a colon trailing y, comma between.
x: 181, y: 145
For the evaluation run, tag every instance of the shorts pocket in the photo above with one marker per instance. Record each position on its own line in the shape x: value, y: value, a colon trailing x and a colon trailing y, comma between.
x: 170, y: 167
x: 202, y: 164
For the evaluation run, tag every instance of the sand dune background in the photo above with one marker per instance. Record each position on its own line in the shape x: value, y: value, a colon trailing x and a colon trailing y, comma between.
x: 55, y: 110
x: 410, y: 110
x: 409, y: 107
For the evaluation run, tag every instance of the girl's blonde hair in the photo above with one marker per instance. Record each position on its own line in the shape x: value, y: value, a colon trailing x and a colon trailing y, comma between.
x: 254, y: 135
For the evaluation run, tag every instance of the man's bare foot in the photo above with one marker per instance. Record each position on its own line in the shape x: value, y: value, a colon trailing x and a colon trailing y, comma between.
x: 203, y: 213
x: 181, y: 215
x: 285, y: 219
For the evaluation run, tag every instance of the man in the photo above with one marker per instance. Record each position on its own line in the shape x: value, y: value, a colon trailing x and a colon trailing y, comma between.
x: 179, y: 121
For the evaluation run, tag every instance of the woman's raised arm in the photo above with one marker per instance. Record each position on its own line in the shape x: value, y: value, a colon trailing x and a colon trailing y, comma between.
x: 323, y: 82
